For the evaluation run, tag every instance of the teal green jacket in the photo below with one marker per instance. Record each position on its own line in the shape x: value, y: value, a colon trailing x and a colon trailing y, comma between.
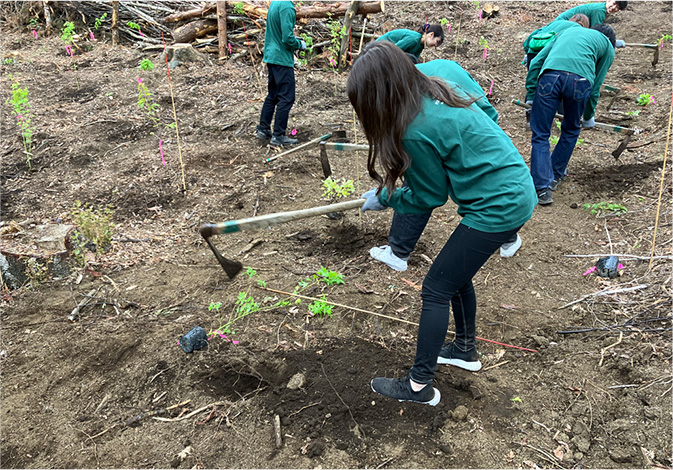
x: 595, y: 11
x: 555, y: 26
x: 462, y: 154
x: 586, y: 52
x: 459, y: 79
x: 279, y: 39
x: 406, y: 39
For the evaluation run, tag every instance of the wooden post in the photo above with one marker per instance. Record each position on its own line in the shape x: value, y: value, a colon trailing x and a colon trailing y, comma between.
x: 222, y: 29
x: 47, y: 17
x: 345, y: 40
x: 115, y: 22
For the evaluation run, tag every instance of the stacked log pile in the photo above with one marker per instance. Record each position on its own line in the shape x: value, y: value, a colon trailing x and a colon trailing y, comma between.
x: 207, y: 26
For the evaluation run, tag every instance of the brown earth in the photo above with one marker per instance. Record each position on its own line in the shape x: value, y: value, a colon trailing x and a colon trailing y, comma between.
x: 598, y: 399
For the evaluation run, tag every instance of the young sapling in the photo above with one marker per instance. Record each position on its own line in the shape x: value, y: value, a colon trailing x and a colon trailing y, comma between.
x: 645, y: 99
x: 21, y: 109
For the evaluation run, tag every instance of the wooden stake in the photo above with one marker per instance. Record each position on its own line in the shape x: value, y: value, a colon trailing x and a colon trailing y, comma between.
x: 175, y: 116
x: 222, y: 29
x: 661, y: 185
x: 115, y: 22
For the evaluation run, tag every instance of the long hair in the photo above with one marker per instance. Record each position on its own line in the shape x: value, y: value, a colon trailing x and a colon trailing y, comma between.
x: 386, y: 90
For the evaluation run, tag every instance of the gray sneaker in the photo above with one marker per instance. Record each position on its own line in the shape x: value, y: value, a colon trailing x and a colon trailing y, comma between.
x: 400, y: 389
x: 262, y: 134
x: 282, y: 140
x: 385, y: 255
x: 556, y: 182
x: 507, y: 250
x: 544, y: 196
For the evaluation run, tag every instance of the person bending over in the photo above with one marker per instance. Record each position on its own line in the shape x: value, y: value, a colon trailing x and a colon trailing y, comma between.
x: 413, y: 42
x: 420, y: 128
x: 569, y: 70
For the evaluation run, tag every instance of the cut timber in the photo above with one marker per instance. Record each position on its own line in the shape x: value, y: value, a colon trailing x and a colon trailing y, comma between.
x: 37, y: 252
x: 193, y: 30
x: 317, y: 10
x: 347, y: 37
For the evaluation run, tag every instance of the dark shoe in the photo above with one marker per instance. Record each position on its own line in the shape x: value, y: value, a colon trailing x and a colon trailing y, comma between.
x: 400, y: 389
x: 263, y: 135
x: 556, y: 182
x: 282, y: 140
x: 453, y: 356
x: 544, y: 196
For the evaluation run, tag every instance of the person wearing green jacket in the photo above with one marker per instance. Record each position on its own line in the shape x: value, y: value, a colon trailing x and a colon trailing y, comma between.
x: 406, y: 229
x: 431, y: 35
x: 571, y: 70
x: 595, y: 11
x: 279, y: 43
x: 445, y: 147
x: 534, y: 43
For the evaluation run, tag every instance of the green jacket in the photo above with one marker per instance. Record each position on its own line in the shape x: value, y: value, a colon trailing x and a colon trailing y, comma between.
x: 555, y: 26
x: 406, y: 39
x: 279, y: 39
x: 586, y: 52
x: 459, y: 78
x: 595, y: 11
x: 462, y: 154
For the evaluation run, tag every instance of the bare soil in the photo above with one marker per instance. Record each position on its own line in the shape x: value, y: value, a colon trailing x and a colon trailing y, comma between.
x: 102, y: 390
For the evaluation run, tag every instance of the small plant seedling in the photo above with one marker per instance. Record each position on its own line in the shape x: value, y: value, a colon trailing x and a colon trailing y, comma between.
x: 67, y: 32
x: 99, y: 21
x: 21, y: 109
x: 321, y: 308
x: 632, y: 113
x: 146, y: 65
x: 146, y: 103
x: 94, y: 224
x: 328, y: 277
x: 606, y: 208
x: 337, y: 188
x: 663, y: 39
x: 303, y: 55
x: 645, y: 99
x: 443, y: 22
x: 238, y: 8
x: 483, y: 42
x: 133, y: 25
x: 516, y: 400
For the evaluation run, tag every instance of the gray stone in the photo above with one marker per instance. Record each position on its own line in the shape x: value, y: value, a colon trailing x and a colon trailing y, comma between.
x: 460, y: 413
x: 297, y: 381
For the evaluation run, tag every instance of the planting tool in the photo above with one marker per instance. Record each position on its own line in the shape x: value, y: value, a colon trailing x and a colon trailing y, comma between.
x: 599, y: 125
x: 324, y: 161
x: 655, y: 57
x: 299, y: 147
x: 232, y: 268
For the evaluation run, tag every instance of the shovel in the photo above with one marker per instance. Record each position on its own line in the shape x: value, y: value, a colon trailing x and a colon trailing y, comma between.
x: 231, y: 267
x: 655, y: 58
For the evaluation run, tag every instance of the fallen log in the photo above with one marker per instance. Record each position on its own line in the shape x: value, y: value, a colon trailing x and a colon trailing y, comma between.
x: 193, y: 30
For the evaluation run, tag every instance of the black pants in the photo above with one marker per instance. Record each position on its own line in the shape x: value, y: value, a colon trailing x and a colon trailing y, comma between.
x: 447, y: 285
x: 280, y: 98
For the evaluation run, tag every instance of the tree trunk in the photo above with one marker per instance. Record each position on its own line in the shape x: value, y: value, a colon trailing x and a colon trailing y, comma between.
x: 115, y: 22
x: 193, y: 30
x: 190, y: 14
x: 47, y: 17
x: 222, y: 29
x: 346, y: 38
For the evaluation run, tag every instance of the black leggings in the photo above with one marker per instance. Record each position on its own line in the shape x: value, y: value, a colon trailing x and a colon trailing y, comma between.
x: 449, y: 284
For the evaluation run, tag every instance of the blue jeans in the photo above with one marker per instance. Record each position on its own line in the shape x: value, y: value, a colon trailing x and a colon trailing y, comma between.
x: 448, y: 285
x: 573, y: 92
x: 280, y: 99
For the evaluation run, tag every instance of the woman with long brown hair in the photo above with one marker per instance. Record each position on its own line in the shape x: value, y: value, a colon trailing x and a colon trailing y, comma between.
x: 420, y: 130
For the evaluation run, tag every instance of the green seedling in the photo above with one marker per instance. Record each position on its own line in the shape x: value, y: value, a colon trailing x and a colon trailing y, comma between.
x: 67, y: 32
x: 99, y: 21
x: 645, y: 99
x: 328, y: 277
x: 632, y: 113
x: 663, y: 39
x: 337, y: 188
x: 483, y: 42
x: 146, y: 65
x: 606, y: 208
x: 516, y: 400
x: 133, y: 25
x: 443, y: 22
x: 321, y: 308
x: 304, y: 55
x: 21, y: 109
x: 238, y: 8
x: 34, y: 24
x: 94, y: 224
x: 147, y: 104
x: 337, y: 31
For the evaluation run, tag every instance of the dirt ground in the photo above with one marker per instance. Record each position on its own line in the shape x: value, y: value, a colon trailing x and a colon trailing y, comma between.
x: 110, y: 387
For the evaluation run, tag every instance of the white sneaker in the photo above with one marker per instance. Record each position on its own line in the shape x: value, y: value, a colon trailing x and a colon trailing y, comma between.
x: 508, y: 250
x: 385, y: 255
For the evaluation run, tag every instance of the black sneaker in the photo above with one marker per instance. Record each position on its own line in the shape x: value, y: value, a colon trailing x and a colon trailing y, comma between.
x: 400, y: 389
x: 263, y: 135
x: 556, y: 182
x: 544, y: 196
x: 453, y: 356
x: 282, y: 140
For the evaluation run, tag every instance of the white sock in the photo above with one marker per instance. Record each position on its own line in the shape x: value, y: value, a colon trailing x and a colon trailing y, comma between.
x: 416, y: 387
